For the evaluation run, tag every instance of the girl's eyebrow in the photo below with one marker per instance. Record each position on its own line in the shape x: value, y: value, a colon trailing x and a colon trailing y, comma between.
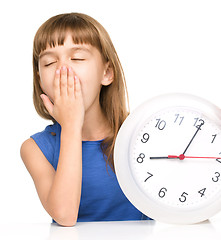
x: 44, y: 53
x: 74, y: 49
x: 80, y: 48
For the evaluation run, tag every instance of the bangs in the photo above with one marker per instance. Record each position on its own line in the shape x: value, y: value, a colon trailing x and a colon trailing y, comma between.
x: 54, y: 31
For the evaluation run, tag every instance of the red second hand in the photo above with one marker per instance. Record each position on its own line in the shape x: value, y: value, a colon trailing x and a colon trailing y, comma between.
x: 182, y: 156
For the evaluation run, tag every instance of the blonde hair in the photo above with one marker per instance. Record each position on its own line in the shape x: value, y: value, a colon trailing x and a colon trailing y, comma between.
x: 85, y: 30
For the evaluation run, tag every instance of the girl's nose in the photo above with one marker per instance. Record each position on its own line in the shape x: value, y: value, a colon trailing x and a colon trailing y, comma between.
x: 63, y: 62
x: 63, y: 66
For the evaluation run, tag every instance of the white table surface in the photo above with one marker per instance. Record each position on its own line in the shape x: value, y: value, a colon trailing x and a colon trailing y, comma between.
x: 136, y: 230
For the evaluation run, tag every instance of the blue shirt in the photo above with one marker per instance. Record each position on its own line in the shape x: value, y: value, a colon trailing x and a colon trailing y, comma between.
x: 101, y: 196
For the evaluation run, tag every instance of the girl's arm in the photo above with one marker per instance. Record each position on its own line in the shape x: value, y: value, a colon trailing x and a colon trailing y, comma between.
x: 60, y: 190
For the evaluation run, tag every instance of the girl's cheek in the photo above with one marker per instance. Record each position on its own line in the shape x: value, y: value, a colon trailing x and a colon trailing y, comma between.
x: 47, y: 88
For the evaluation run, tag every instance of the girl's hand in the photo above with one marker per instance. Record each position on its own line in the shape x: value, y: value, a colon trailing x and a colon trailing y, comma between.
x: 68, y: 108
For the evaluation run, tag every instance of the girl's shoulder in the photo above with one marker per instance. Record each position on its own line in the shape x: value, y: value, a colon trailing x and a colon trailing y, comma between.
x: 47, y: 140
x: 47, y: 137
x: 49, y: 132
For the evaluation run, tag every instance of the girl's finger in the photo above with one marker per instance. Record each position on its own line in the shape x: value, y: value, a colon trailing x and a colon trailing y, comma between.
x: 57, y: 84
x: 70, y: 82
x: 77, y: 87
x: 48, y: 104
x: 63, y: 81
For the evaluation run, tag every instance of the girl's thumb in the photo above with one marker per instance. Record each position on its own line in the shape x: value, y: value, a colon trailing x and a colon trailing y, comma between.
x: 48, y: 104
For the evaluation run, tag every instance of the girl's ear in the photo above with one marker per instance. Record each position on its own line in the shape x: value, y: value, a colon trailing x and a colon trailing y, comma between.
x: 108, y: 75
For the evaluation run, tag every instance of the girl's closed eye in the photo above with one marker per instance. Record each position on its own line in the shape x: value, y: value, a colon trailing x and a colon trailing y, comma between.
x: 50, y: 63
x: 77, y: 59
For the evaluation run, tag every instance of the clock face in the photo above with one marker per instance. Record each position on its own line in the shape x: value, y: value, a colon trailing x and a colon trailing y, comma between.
x: 175, y: 158
x: 167, y: 158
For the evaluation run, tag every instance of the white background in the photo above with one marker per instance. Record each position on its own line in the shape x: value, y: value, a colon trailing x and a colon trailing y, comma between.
x: 164, y: 46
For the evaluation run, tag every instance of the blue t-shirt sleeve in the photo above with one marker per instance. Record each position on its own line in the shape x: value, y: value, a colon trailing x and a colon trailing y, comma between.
x: 46, y: 141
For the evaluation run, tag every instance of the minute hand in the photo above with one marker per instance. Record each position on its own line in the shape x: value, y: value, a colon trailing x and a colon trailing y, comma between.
x: 193, y: 137
x: 181, y: 157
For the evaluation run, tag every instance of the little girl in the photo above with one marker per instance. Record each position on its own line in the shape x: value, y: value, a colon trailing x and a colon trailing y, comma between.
x: 78, y: 84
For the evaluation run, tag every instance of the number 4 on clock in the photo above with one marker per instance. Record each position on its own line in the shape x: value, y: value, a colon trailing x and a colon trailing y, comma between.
x: 202, y: 192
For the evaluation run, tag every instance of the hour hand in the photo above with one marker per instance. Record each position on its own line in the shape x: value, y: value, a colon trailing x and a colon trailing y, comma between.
x: 168, y: 157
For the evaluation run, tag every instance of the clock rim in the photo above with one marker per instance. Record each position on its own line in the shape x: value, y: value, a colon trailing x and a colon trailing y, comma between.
x: 122, y: 166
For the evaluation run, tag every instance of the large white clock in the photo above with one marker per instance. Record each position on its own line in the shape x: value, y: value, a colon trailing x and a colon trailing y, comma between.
x: 167, y: 158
